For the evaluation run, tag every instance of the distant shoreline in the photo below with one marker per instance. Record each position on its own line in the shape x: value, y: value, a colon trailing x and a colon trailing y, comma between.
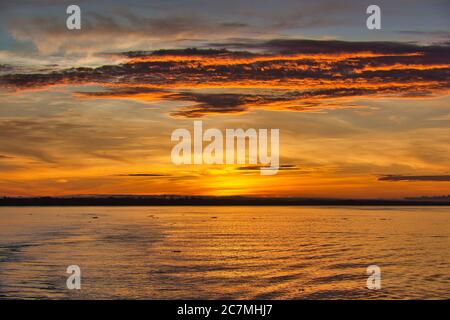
x: 210, y: 201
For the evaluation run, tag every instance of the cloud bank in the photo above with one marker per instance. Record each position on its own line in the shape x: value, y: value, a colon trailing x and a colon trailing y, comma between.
x: 292, y: 75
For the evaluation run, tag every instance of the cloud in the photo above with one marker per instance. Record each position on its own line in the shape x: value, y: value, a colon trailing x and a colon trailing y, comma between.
x: 414, y: 178
x: 211, y: 104
x: 111, y: 25
x: 294, y: 75
x: 283, y: 167
x: 7, y: 69
x: 142, y: 175
x: 50, y: 140
x: 116, y: 30
x: 315, y: 46
x: 436, y: 33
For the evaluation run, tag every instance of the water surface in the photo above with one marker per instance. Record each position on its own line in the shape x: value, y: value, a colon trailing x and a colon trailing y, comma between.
x: 225, y: 252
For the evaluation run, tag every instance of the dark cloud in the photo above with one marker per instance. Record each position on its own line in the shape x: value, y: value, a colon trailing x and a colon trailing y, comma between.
x: 234, y: 25
x: 188, y: 52
x: 142, y: 175
x: 436, y: 33
x: 414, y: 178
x: 212, y: 103
x: 6, y: 68
x: 283, y: 167
x: 316, y: 46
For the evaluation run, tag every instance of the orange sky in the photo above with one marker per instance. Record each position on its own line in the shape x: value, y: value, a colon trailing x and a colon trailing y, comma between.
x: 346, y: 120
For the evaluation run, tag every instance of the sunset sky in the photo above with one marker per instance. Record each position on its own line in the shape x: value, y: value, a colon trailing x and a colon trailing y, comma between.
x: 362, y: 113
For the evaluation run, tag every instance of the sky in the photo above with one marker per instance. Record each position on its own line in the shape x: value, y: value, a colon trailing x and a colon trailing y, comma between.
x: 361, y: 113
